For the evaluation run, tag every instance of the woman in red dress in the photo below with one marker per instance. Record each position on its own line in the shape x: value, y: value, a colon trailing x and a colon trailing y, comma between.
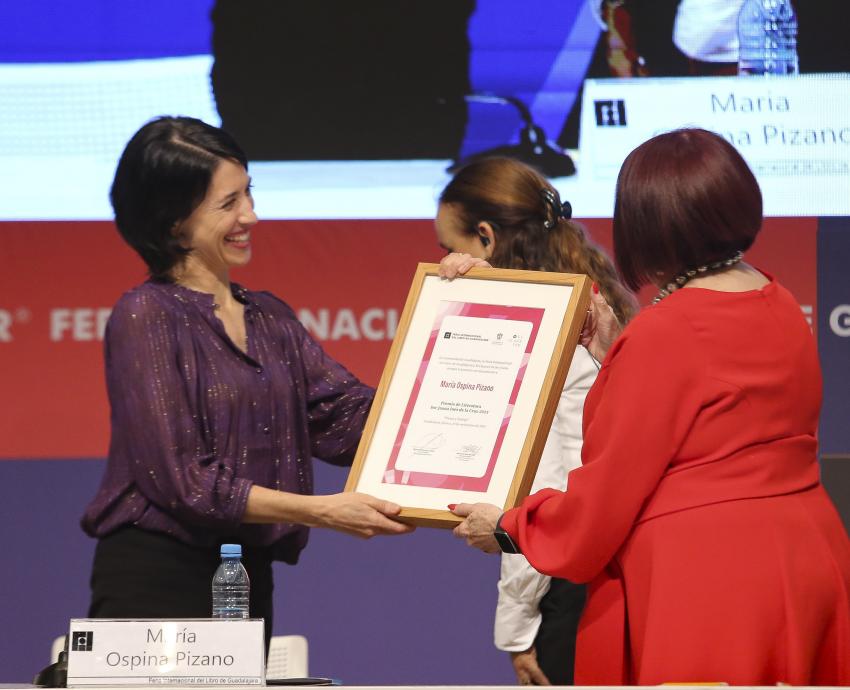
x: 711, y: 550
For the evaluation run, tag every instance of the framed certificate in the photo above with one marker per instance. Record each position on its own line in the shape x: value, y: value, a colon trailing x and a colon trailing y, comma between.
x: 469, y: 390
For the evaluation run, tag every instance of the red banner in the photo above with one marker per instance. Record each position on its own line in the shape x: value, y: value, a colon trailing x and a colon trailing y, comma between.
x: 347, y: 280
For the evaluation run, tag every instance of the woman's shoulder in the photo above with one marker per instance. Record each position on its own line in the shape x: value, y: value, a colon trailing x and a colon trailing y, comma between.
x: 656, y: 332
x: 142, y: 311
x: 148, y: 299
x: 777, y: 292
x: 657, y: 319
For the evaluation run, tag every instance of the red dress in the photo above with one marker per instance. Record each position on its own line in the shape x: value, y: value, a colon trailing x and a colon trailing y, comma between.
x: 712, y: 551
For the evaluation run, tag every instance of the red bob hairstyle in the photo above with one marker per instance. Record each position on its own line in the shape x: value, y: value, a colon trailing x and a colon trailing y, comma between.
x: 684, y: 199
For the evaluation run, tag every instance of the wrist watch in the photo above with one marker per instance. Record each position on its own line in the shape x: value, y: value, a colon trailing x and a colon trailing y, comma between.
x: 506, y: 544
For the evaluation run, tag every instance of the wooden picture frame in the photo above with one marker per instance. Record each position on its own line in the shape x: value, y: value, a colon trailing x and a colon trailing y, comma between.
x: 469, y: 390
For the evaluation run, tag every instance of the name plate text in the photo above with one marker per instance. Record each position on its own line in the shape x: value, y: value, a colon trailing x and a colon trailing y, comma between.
x: 158, y: 652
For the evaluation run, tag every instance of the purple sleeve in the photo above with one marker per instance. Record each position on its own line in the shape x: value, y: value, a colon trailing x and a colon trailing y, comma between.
x: 337, y: 404
x: 155, y: 428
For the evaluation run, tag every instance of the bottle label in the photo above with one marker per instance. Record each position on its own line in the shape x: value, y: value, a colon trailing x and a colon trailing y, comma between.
x: 104, y: 652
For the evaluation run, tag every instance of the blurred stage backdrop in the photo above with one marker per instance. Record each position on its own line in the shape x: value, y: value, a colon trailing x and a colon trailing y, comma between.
x: 351, y: 112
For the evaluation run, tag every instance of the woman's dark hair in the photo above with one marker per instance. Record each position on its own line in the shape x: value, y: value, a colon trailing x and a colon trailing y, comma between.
x: 684, y: 199
x: 524, y: 212
x: 162, y: 177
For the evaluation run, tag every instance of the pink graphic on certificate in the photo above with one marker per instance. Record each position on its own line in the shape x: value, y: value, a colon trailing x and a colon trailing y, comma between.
x: 463, y: 396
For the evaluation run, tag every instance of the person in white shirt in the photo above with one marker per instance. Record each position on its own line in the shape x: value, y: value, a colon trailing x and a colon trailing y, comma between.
x: 707, y: 32
x: 525, y: 596
x: 504, y: 213
x: 666, y: 38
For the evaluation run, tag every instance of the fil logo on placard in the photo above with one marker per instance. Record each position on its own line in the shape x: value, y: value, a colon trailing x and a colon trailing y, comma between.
x: 610, y: 113
x: 82, y: 641
x: 447, y: 334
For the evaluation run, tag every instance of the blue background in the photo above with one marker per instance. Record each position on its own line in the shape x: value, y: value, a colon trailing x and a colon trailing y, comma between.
x: 514, y: 47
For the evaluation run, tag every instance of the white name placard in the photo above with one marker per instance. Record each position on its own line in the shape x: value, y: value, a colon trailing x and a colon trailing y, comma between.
x: 793, y: 131
x: 159, y: 652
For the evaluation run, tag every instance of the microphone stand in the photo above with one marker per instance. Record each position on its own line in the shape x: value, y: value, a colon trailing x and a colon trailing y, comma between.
x: 533, y: 147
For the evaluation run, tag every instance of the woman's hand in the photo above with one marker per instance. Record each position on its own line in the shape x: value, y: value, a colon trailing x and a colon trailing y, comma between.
x: 528, y: 671
x: 359, y: 515
x: 601, y: 327
x: 457, y: 264
x: 356, y: 514
x: 477, y: 529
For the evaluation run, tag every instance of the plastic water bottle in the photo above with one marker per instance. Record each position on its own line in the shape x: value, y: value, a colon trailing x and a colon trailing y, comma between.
x: 230, y: 586
x: 767, y: 36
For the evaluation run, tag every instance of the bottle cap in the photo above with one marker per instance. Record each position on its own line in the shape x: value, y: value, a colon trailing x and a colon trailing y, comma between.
x: 231, y: 550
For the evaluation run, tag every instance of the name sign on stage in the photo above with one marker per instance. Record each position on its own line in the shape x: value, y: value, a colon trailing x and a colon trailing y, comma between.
x: 793, y: 131
x: 469, y: 390
x: 195, y: 651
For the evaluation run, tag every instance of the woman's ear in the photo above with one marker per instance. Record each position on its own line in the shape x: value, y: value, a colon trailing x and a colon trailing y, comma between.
x: 487, y: 236
x: 178, y: 232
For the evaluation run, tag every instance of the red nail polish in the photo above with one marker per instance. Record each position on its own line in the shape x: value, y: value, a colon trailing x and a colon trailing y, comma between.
x: 452, y: 506
x: 595, y: 289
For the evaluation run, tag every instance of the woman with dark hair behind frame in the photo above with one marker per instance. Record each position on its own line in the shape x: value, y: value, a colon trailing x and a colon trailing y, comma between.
x: 504, y: 212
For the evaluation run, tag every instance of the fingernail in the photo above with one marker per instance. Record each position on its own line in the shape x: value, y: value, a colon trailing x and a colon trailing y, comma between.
x: 452, y: 506
x: 595, y: 289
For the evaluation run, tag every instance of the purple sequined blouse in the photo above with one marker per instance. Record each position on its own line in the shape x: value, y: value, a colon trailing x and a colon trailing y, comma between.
x: 195, y: 421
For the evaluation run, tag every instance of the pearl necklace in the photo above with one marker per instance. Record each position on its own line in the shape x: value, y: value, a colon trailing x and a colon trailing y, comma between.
x: 683, y: 278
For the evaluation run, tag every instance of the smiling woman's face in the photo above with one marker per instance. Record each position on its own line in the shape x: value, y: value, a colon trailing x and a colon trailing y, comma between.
x: 219, y: 230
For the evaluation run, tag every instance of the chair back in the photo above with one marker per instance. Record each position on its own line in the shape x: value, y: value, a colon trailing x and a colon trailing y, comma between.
x: 57, y: 646
x: 287, y: 657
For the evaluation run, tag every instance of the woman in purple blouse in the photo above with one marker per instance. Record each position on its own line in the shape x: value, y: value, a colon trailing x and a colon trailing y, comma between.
x: 219, y: 396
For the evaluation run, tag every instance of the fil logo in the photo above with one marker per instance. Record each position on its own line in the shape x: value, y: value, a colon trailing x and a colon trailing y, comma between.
x: 610, y: 113
x: 82, y: 640
x: 447, y: 334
